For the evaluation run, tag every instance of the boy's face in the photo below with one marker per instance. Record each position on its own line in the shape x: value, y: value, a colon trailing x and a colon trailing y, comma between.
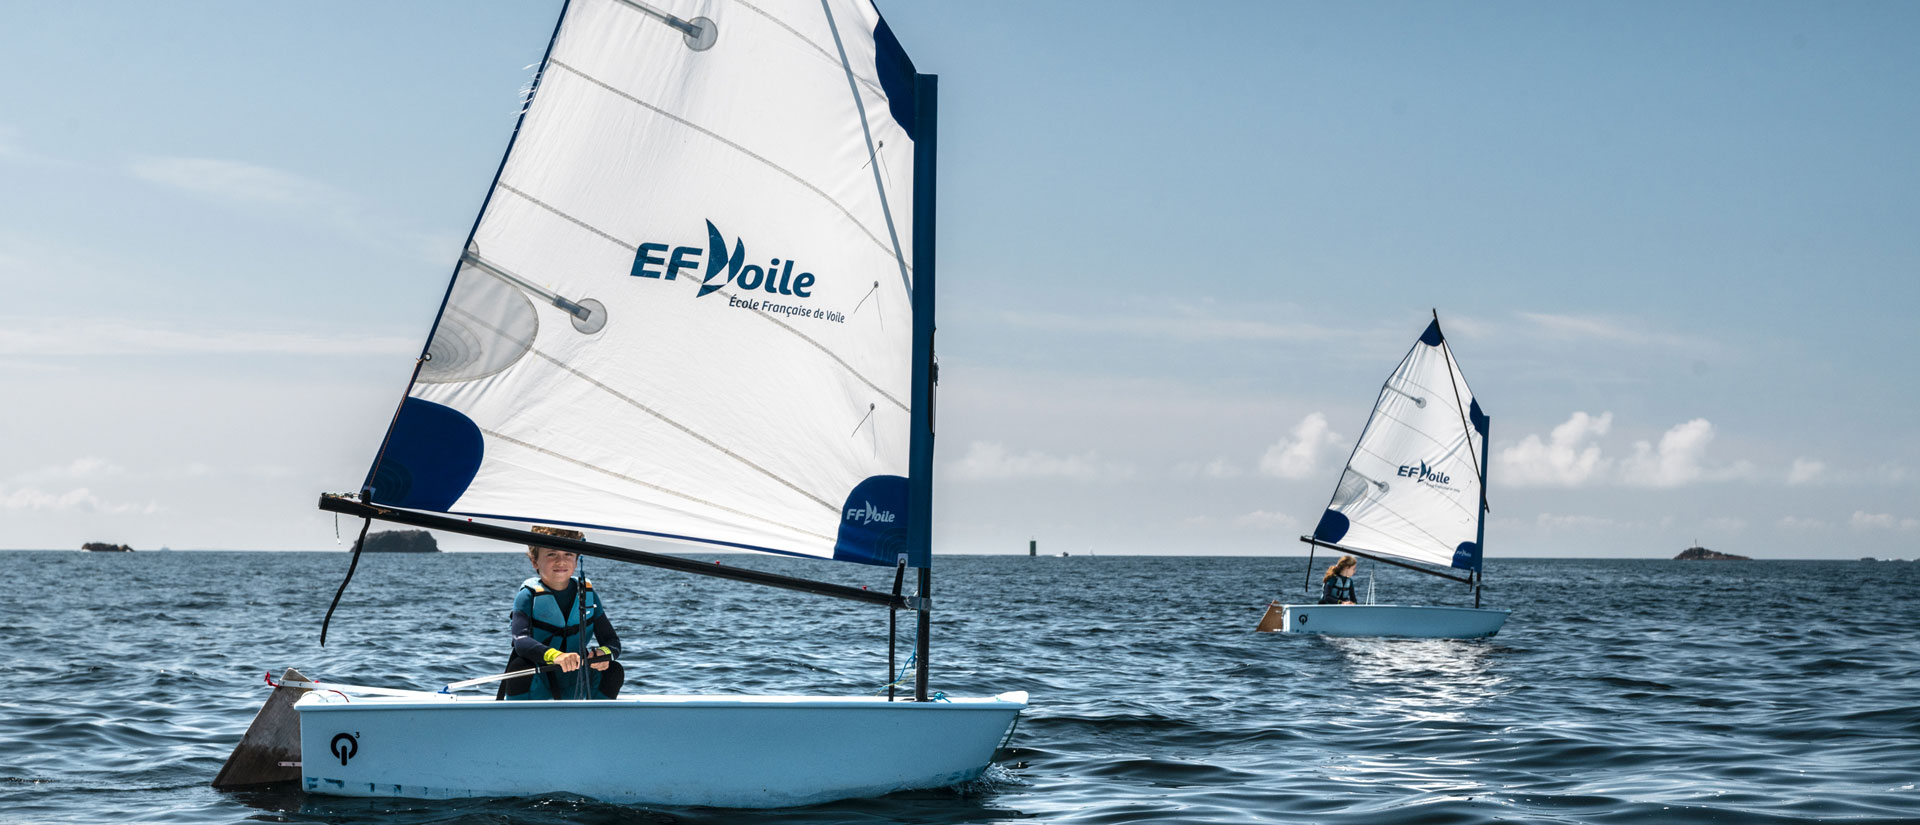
x: 554, y: 566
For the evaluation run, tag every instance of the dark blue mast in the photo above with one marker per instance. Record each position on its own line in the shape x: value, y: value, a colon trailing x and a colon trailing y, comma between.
x: 926, y: 129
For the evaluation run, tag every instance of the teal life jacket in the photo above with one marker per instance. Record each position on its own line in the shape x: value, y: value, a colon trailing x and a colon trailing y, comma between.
x: 562, y: 632
x: 1336, y: 590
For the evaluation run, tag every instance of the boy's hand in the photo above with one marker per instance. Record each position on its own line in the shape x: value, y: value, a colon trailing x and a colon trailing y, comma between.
x: 568, y: 662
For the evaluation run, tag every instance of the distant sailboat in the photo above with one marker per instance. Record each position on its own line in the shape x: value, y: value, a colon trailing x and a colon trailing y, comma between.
x: 1413, y: 490
x: 697, y: 306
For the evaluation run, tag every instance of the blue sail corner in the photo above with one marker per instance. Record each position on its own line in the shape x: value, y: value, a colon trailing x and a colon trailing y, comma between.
x: 431, y: 456
x: 1467, y: 556
x: 873, y: 522
x: 1332, y: 527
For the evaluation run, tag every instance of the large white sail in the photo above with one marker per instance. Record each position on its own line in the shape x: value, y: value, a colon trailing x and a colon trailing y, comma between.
x: 1413, y: 487
x: 686, y: 307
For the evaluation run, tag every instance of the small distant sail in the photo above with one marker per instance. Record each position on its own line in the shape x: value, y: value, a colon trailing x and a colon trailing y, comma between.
x: 1413, y: 487
x: 685, y: 309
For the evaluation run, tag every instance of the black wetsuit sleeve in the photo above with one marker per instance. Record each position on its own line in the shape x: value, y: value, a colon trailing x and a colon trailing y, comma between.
x: 603, y: 632
x: 524, y: 645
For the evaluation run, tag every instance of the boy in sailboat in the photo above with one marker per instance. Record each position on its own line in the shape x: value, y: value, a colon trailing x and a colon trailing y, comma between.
x: 1336, y: 587
x: 548, y: 617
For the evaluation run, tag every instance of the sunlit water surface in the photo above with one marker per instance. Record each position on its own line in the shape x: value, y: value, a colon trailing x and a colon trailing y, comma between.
x: 1620, y: 690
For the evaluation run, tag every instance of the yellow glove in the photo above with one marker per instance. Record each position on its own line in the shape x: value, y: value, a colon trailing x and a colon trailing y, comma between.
x: 552, y: 654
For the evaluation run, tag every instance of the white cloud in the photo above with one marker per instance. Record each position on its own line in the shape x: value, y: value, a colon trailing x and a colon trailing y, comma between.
x: 1299, y: 456
x: 74, y: 337
x: 1678, y: 459
x: 1565, y: 459
x: 1551, y: 521
x: 1863, y: 520
x: 1264, y: 520
x: 79, y: 468
x: 1805, y: 471
x: 1725, y: 524
x: 1183, y: 327
x: 1217, y: 468
x: 78, y: 500
x: 990, y: 461
x: 1797, y: 523
x: 234, y: 181
x: 1577, y: 328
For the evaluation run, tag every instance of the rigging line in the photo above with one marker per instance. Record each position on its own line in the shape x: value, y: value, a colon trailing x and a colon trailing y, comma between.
x: 866, y: 130
x: 775, y: 321
x: 863, y: 420
x: 809, y: 41
x: 742, y: 150
x: 641, y: 407
x: 649, y: 485
x: 351, y: 565
x: 876, y: 306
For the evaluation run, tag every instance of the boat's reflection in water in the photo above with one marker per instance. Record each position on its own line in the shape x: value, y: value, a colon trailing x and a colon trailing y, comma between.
x: 1432, y: 680
x: 286, y: 802
x: 1413, y: 719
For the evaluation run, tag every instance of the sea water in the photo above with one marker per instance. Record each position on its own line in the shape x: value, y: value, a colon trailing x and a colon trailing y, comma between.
x: 1619, y: 690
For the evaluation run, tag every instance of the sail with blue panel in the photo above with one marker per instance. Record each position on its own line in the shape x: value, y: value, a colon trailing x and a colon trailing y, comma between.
x: 686, y: 310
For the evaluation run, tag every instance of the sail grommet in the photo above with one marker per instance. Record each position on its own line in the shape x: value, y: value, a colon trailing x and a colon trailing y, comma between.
x: 595, y: 318
x: 701, y: 34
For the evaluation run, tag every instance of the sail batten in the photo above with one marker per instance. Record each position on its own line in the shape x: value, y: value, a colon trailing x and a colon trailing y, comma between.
x: 661, y: 324
x: 1414, y: 485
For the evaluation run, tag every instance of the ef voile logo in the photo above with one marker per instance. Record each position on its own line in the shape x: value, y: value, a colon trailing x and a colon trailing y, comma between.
x: 1424, y: 473
x: 658, y: 260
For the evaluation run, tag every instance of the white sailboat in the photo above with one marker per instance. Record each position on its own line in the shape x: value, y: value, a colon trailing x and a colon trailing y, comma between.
x: 1414, y: 490
x: 697, y: 305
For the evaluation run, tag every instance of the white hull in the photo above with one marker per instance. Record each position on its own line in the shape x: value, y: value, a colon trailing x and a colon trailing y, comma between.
x: 719, y: 751
x: 1402, y: 621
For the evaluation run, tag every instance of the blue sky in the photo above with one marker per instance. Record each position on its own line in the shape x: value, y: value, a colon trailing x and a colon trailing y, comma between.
x: 1673, y: 246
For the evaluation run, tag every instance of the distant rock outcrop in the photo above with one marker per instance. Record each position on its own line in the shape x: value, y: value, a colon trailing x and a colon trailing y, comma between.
x: 103, y: 547
x: 1703, y: 554
x: 401, y: 541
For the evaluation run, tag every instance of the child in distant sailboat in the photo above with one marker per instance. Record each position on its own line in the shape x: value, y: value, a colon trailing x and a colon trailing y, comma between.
x: 547, y: 617
x: 1336, y: 587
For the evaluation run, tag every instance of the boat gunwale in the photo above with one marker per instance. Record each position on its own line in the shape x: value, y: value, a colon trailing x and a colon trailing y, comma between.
x: 1406, y: 607
x: 659, y: 702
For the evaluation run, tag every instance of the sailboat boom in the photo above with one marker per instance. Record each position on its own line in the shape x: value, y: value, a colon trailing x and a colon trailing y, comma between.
x: 1384, y: 560
x: 349, y: 507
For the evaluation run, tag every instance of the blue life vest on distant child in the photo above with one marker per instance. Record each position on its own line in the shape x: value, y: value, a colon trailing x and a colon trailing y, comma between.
x: 550, y: 627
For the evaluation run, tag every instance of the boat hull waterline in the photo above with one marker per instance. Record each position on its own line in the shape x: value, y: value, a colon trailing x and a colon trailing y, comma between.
x: 715, y: 751
x: 1404, y: 621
